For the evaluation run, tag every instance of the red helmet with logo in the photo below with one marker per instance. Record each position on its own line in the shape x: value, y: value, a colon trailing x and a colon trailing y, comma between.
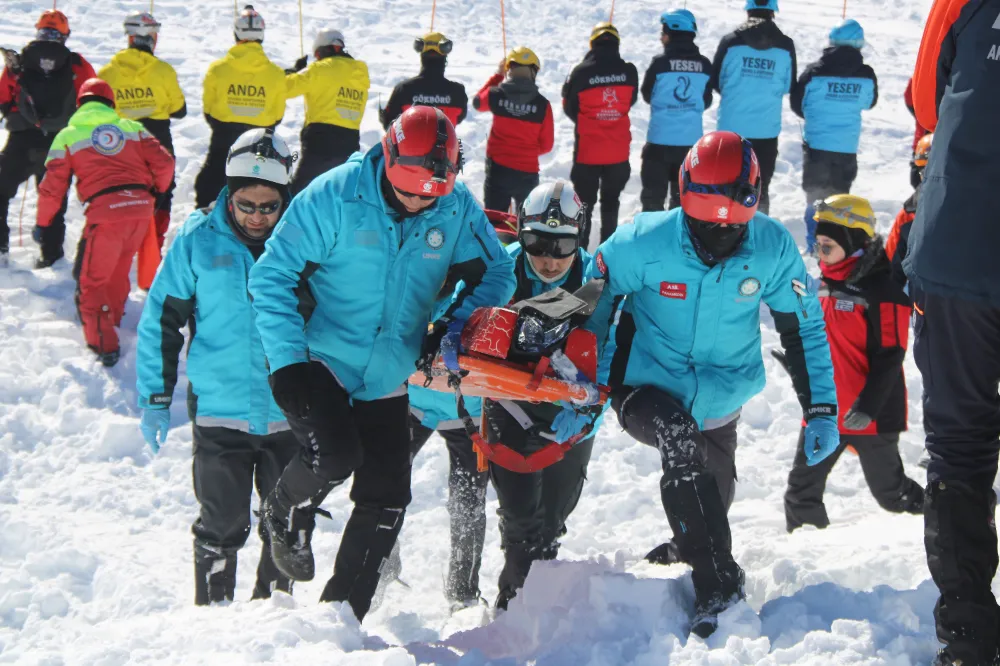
x: 422, y: 153
x: 720, y: 179
x: 95, y: 89
x: 53, y: 19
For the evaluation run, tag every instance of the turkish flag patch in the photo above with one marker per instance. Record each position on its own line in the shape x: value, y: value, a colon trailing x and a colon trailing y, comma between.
x: 601, y: 267
x: 674, y: 290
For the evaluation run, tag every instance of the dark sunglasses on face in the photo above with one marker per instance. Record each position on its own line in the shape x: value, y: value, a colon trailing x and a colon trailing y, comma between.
x: 410, y: 195
x: 557, y: 247
x: 266, y: 208
x: 826, y: 248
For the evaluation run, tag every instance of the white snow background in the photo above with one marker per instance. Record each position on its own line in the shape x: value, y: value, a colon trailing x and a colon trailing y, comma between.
x: 95, y: 548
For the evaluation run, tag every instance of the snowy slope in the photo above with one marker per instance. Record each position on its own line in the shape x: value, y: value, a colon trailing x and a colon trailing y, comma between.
x: 95, y: 549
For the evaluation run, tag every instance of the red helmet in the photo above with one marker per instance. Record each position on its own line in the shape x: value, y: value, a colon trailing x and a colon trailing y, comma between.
x: 95, y: 88
x: 720, y: 179
x: 422, y: 153
x: 54, y: 20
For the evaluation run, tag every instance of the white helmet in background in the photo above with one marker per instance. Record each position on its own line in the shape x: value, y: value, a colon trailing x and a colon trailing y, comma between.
x: 249, y: 25
x: 141, y: 24
x: 260, y: 155
x: 328, y: 37
x: 552, y: 208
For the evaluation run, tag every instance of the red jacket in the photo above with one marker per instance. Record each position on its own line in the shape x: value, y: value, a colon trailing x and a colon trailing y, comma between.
x: 867, y: 324
x: 897, y: 244
x: 106, y: 154
x: 597, y: 96
x: 10, y: 89
x: 919, y: 130
x: 522, y: 122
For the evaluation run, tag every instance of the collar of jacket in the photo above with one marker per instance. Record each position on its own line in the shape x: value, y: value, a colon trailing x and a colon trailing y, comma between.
x: 247, y: 52
x: 605, y: 53
x: 681, y: 47
x: 368, y: 189
x: 521, y: 91
x: 744, y: 251
x: 845, y: 59
x: 861, y: 264
x: 760, y: 34
x: 94, y: 113
x: 433, y: 67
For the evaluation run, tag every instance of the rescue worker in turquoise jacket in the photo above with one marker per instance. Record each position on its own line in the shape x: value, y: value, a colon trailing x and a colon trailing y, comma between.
x: 376, y: 239
x: 689, y: 347
x: 239, y: 431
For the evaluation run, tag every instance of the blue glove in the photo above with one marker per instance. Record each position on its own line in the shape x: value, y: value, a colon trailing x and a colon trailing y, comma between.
x: 38, y: 234
x: 822, y: 439
x: 569, y: 423
x: 155, y: 422
x: 451, y: 344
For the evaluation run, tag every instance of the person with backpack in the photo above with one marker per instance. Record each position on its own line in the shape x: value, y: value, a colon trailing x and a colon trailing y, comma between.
x: 335, y: 86
x: 241, y: 439
x: 597, y: 97
x: 830, y: 96
x: 242, y: 90
x: 753, y: 69
x: 119, y: 169
x: 146, y: 90
x: 676, y: 88
x: 429, y: 87
x: 522, y: 129
x: 38, y: 91
x: 867, y: 318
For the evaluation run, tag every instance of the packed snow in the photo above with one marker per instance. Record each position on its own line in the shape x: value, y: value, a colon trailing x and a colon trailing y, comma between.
x: 95, y: 543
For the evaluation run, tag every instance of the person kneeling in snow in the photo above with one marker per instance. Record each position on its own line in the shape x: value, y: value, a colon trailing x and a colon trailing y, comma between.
x: 119, y: 167
x: 239, y: 431
x: 867, y: 323
x: 688, y: 347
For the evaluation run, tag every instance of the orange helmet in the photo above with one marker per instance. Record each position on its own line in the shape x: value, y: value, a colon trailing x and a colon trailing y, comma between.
x: 923, y: 151
x: 53, y: 19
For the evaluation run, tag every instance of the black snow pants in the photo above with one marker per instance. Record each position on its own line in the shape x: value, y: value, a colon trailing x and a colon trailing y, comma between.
x: 690, y: 492
x: 534, y: 507
x: 227, y: 465
x: 324, y: 147
x: 212, y: 177
x: 767, y: 156
x: 608, y: 180
x: 660, y: 168
x: 371, y: 440
x: 957, y: 348
x: 881, y: 465
x: 22, y: 157
x: 503, y: 184
x: 466, y: 510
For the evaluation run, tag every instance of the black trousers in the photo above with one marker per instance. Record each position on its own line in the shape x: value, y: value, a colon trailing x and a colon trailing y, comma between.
x: 957, y: 348
x: 227, y: 465
x: 825, y: 172
x: 534, y: 507
x: 324, y: 147
x: 767, y: 156
x: 503, y: 184
x: 660, y: 168
x: 341, y: 437
x: 881, y: 465
x: 160, y: 129
x: 22, y: 157
x: 689, y: 491
x: 212, y: 177
x: 608, y: 180
x: 466, y: 510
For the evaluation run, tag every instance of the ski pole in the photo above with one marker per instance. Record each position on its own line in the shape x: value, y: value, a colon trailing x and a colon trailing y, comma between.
x: 302, y: 46
x: 503, y: 27
x: 434, y: 5
x: 20, y: 217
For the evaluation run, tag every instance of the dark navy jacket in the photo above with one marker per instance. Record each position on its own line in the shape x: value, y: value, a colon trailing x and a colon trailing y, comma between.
x: 831, y: 94
x: 676, y: 86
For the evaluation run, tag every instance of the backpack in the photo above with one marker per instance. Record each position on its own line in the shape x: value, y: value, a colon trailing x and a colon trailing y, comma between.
x: 48, y: 97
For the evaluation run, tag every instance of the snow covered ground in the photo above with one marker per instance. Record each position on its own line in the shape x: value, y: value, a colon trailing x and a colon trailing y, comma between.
x: 95, y: 549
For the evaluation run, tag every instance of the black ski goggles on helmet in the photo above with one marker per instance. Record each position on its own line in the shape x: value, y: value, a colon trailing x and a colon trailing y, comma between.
x: 264, y: 149
x: 557, y: 246
x: 741, y: 191
x: 444, y: 46
x: 436, y: 161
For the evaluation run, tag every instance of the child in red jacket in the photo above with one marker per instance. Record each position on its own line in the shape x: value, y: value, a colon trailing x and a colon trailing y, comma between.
x: 867, y: 318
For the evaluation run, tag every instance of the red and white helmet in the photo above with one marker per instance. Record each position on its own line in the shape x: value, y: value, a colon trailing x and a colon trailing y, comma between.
x: 720, y: 179
x: 422, y: 152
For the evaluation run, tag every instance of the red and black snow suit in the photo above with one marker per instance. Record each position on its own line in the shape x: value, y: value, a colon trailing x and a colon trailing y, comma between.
x: 429, y: 88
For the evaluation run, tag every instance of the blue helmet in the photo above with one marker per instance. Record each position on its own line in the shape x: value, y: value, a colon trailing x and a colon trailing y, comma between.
x: 679, y: 20
x: 848, y: 33
x: 762, y: 4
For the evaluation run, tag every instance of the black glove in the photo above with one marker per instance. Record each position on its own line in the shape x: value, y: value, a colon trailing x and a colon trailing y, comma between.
x: 291, y: 388
x: 432, y: 345
x: 301, y: 63
x: 855, y: 420
x: 38, y: 234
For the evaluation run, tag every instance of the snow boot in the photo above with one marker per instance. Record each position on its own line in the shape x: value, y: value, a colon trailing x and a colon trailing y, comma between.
x: 45, y: 262
x: 390, y: 574
x: 214, y: 574
x: 269, y: 578
x: 518, y: 558
x: 290, y: 534
x: 110, y: 359
x: 665, y: 553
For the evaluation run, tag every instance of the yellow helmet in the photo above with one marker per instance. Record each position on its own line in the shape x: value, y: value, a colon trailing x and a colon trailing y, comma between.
x: 604, y: 28
x: 522, y: 55
x: 847, y: 210
x: 432, y: 41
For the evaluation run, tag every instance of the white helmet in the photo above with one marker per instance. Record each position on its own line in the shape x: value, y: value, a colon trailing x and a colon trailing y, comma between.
x: 249, y: 25
x: 141, y: 24
x: 260, y: 155
x: 328, y: 37
x: 552, y: 208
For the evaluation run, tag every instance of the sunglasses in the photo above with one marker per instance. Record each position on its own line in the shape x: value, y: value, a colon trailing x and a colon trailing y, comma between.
x: 443, y: 47
x: 542, y: 245
x: 410, y: 195
x: 266, y: 208
x: 826, y: 248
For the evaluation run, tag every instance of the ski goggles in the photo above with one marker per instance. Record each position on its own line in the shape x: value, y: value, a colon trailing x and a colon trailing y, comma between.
x: 411, y: 195
x: 50, y: 35
x: 266, y: 208
x: 844, y: 217
x: 264, y: 149
x: 546, y: 245
x: 442, y: 46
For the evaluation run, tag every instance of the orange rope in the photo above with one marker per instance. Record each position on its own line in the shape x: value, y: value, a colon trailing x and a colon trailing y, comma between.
x: 503, y: 27
x: 845, y: 10
x: 611, y: 18
x: 434, y: 6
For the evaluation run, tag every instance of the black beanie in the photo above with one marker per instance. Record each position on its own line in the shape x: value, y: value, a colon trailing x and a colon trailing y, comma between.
x: 850, y: 239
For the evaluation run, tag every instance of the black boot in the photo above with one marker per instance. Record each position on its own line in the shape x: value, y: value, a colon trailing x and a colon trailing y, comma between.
x: 369, y: 537
x: 665, y: 553
x: 290, y: 535
x: 269, y: 578
x: 517, y: 559
x: 214, y: 575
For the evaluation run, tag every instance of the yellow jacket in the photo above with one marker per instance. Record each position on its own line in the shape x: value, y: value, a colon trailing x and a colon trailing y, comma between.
x: 336, y: 90
x: 144, y: 85
x: 245, y: 87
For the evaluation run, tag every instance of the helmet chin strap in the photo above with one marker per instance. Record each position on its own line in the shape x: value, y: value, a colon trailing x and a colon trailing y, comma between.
x: 547, y: 280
